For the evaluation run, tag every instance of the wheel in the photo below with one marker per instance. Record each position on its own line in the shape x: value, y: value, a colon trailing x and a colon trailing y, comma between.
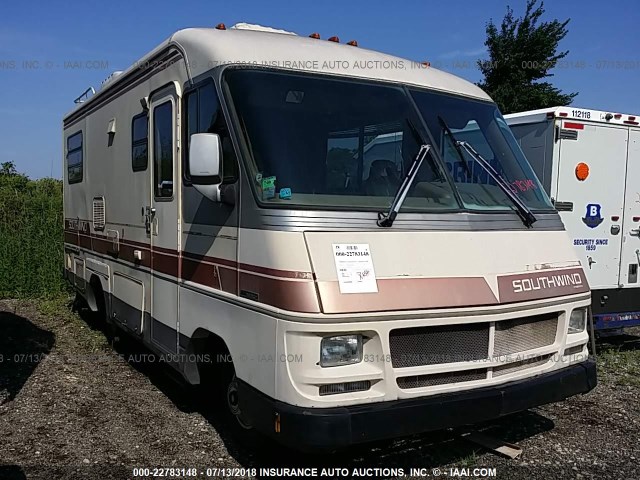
x: 233, y: 404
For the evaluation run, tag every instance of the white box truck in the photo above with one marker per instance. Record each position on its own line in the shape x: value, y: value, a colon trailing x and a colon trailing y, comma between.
x: 224, y: 204
x: 589, y: 163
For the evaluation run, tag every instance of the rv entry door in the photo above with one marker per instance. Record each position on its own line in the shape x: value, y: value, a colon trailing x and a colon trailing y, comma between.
x: 162, y: 219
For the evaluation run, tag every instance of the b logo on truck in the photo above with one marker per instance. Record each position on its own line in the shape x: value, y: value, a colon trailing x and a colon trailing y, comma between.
x: 593, y: 218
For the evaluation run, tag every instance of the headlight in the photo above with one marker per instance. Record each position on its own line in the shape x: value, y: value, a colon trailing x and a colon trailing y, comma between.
x: 340, y: 350
x: 578, y: 320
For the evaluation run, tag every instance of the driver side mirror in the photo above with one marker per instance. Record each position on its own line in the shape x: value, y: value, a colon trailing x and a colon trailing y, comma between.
x: 205, y: 159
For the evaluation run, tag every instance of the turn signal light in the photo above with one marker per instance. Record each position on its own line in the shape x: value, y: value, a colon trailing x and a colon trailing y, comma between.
x: 582, y: 171
x: 334, y: 39
x: 221, y: 26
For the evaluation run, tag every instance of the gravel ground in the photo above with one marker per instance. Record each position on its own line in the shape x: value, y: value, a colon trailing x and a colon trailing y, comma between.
x: 72, y: 406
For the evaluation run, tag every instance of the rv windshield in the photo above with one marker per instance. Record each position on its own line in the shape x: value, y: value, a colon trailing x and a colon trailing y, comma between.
x: 325, y: 142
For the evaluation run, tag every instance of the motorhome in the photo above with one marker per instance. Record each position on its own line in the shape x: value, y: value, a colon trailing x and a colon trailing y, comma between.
x: 587, y: 161
x: 222, y: 205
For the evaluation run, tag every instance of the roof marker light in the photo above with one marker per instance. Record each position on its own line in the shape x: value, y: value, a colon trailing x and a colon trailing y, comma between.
x: 551, y: 114
x: 353, y: 43
x: 315, y: 35
x: 426, y: 64
x: 563, y: 114
x: 334, y: 39
x: 221, y: 26
x: 615, y: 218
x: 632, y: 118
x: 582, y: 171
x: 617, y: 116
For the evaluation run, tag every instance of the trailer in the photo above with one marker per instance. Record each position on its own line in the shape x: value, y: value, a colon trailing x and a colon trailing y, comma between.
x: 225, y: 205
x: 588, y: 161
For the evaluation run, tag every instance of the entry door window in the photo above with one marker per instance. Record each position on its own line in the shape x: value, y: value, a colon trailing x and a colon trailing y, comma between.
x: 163, y: 150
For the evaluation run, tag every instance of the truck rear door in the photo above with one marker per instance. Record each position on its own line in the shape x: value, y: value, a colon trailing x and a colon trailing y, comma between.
x: 630, y: 234
x: 595, y: 222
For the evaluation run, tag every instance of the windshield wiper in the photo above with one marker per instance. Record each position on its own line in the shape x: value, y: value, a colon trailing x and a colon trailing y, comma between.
x: 386, y: 219
x: 528, y: 218
x: 457, y: 148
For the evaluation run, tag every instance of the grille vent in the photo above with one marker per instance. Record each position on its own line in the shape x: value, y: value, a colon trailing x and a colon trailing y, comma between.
x: 98, y: 213
x: 347, y: 387
x: 417, y: 381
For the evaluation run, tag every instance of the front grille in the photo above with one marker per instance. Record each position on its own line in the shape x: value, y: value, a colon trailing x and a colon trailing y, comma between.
x: 418, y: 346
x: 417, y: 381
x: 517, y: 366
x: 518, y: 335
x: 411, y: 347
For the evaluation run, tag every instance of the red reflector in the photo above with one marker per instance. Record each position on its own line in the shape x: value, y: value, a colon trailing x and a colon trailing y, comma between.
x: 636, y: 219
x: 334, y: 39
x: 315, y: 35
x: 576, y: 126
x: 563, y: 114
x: 615, y: 218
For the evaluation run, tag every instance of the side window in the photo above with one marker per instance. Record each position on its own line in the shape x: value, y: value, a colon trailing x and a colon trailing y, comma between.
x: 74, y: 158
x: 140, y: 142
x: 204, y: 115
x: 163, y: 150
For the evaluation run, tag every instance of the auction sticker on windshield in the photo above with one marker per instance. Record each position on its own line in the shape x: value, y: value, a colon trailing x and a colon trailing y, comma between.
x: 354, y: 266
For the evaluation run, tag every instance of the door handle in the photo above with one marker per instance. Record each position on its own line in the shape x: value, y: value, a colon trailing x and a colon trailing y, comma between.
x: 149, y: 215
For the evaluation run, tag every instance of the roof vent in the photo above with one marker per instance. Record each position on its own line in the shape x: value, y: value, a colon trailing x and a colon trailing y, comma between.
x: 259, y: 28
x: 110, y: 79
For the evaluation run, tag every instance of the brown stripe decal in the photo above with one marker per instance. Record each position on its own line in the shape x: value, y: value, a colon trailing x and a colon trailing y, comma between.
x: 409, y: 294
x: 538, y: 285
x: 296, y: 291
x: 293, y: 295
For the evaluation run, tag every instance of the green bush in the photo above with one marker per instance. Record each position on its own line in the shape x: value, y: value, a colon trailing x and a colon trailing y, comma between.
x: 31, y: 235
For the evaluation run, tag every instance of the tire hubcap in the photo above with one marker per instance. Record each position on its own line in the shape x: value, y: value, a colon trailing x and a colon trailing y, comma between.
x: 234, y: 404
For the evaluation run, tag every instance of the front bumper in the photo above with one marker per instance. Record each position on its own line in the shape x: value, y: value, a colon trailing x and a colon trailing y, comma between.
x: 323, y: 428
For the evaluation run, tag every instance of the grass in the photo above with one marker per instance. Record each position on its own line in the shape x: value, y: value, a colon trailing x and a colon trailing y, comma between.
x: 620, y: 364
x: 81, y: 331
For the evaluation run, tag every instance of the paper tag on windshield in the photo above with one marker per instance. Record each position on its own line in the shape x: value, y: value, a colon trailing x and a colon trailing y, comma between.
x: 354, y: 266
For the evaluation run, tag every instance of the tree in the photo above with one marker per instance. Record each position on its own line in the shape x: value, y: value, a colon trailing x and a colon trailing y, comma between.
x: 8, y: 169
x: 522, y: 52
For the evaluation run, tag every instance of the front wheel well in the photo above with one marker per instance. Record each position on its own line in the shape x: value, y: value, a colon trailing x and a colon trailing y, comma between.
x: 212, y: 355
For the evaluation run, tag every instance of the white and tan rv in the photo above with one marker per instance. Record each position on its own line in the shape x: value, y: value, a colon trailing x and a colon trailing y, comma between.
x: 354, y: 240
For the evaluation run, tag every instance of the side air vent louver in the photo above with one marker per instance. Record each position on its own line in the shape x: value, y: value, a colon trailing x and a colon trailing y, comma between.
x: 98, y: 213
